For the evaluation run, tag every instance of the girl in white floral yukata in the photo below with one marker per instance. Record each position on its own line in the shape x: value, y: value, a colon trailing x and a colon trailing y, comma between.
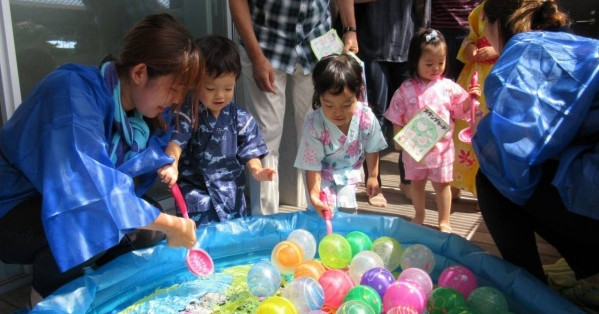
x: 427, y: 57
x: 338, y: 136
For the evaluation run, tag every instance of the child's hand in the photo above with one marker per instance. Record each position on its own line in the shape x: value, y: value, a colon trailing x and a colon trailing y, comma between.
x: 485, y: 53
x: 474, y: 90
x: 319, y: 205
x: 470, y: 52
x: 264, y: 174
x: 372, y: 187
x: 169, y: 174
x: 396, y: 146
x: 259, y: 173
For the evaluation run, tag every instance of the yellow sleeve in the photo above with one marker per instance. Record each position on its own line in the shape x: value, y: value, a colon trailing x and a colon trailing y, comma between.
x: 476, y: 31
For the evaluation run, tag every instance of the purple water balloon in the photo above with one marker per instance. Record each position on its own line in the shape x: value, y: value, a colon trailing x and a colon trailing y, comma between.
x: 378, y: 278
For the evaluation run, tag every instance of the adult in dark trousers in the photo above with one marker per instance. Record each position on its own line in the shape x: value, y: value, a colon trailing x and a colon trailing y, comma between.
x: 277, y: 62
x: 385, y: 28
x: 451, y: 19
x: 538, y: 147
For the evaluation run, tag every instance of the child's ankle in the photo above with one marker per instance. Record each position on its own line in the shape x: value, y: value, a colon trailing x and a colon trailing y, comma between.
x: 418, y: 219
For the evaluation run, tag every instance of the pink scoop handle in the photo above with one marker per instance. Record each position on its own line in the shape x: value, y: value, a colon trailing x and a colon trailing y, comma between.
x: 474, y: 102
x: 326, y: 213
x: 179, y: 200
x: 466, y: 134
x: 198, y: 261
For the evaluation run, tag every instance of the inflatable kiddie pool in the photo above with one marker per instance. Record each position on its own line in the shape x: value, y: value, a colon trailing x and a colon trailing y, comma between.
x: 130, y: 278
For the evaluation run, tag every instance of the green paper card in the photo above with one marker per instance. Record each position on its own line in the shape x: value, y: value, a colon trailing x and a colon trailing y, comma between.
x: 421, y: 133
x: 327, y: 44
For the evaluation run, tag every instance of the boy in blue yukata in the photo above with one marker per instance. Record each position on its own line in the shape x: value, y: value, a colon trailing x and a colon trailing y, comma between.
x: 215, y: 140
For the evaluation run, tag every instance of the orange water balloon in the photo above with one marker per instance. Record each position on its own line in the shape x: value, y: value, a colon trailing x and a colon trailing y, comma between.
x: 286, y: 256
x: 312, y: 268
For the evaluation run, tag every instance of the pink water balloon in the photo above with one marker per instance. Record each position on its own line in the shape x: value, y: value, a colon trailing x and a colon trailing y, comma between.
x: 406, y: 294
x: 418, y: 276
x: 335, y: 284
x: 460, y: 278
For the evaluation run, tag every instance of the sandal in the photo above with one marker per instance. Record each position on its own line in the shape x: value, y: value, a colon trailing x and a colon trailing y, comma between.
x: 445, y: 227
x: 378, y: 200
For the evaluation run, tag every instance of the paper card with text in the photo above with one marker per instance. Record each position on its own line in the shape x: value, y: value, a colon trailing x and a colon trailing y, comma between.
x: 421, y: 133
x: 327, y: 44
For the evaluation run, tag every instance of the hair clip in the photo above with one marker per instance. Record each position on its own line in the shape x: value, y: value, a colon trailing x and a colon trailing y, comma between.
x: 431, y: 36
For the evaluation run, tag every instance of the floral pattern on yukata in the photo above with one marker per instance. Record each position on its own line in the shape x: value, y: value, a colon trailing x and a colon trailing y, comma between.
x: 445, y: 98
x: 337, y: 156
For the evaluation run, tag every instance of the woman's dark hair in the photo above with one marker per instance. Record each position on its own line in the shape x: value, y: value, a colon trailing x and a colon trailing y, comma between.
x: 333, y: 74
x: 422, y: 38
x: 518, y: 16
x: 220, y: 55
x: 166, y: 47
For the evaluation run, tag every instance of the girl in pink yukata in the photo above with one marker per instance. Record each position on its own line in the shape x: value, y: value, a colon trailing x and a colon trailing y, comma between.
x: 338, y: 136
x: 427, y: 87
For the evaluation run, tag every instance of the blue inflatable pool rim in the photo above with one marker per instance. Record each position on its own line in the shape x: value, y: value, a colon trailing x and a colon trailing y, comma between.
x: 133, y: 276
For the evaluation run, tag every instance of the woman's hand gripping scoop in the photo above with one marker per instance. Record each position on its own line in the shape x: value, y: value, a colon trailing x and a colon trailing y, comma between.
x: 198, y: 261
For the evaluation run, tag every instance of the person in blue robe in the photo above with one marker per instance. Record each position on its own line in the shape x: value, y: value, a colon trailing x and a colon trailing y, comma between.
x: 81, y: 150
x: 538, y: 147
x: 216, y: 141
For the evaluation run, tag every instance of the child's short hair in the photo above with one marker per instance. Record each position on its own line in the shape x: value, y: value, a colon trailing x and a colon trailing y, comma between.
x: 423, y: 38
x: 220, y: 55
x: 333, y: 74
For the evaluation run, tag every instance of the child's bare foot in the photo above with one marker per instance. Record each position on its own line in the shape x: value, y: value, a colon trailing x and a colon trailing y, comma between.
x: 378, y: 200
x: 456, y: 193
x: 418, y: 220
x: 445, y: 227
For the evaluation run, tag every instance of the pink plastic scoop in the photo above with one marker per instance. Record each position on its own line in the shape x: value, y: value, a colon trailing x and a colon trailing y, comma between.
x: 326, y: 213
x: 466, y: 134
x: 198, y: 261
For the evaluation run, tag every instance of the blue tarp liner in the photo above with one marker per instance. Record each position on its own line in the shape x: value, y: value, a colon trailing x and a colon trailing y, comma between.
x: 133, y: 276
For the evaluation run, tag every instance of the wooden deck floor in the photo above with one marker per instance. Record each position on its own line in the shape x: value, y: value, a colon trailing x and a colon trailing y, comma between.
x: 466, y: 221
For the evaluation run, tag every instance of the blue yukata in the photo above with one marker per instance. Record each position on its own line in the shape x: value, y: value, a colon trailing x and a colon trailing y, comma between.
x: 57, y: 145
x: 212, y: 163
x: 337, y: 156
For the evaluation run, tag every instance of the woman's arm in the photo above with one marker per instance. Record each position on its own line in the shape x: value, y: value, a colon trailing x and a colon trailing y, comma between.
x: 179, y: 231
x: 264, y: 74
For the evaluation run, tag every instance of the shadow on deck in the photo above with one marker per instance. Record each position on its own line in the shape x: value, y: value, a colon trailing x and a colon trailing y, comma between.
x: 466, y: 220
